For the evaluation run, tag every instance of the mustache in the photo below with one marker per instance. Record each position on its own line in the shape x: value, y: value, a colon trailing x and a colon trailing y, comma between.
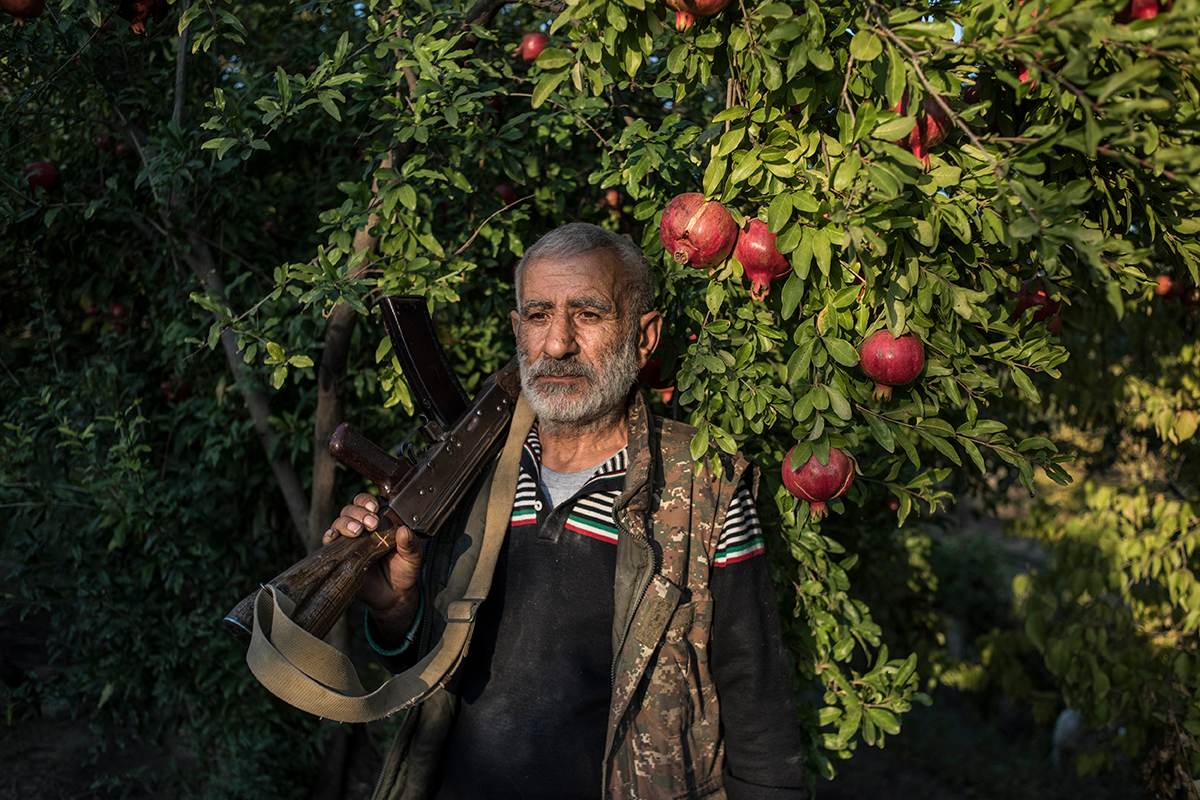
x: 561, y: 368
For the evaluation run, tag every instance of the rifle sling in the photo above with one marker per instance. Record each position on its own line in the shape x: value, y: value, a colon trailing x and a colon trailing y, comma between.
x: 307, y: 673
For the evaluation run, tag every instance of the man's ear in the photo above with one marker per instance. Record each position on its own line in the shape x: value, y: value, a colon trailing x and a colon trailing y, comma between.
x: 516, y: 320
x: 651, y: 325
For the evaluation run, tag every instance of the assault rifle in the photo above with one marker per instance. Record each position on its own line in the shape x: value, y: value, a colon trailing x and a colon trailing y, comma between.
x: 420, y: 488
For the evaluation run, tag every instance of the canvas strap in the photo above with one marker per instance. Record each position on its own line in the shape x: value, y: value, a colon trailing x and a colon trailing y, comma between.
x: 307, y: 673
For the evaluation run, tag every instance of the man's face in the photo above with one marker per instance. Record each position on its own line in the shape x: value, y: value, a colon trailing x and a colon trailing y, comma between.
x: 578, y: 350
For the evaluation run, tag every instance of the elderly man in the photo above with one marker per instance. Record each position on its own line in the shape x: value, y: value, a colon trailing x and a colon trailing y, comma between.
x: 630, y: 644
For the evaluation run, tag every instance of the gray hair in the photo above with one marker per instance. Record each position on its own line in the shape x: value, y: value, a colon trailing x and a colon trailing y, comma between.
x: 582, y: 237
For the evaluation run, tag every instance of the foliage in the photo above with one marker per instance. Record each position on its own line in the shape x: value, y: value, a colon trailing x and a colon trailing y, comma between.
x: 345, y: 152
x: 1115, y: 612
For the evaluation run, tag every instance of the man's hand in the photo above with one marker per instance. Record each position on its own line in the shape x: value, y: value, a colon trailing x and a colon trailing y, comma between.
x: 390, y: 589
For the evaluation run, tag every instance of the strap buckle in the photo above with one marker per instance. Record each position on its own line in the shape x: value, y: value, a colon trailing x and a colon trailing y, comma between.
x: 463, y: 610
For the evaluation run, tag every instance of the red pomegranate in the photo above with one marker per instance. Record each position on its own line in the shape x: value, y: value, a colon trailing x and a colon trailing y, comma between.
x: 613, y: 199
x: 1031, y: 295
x: 1167, y: 286
x: 1141, y: 9
x: 697, y: 232
x: 43, y: 174
x: 761, y: 260
x: 139, y: 12
x: 505, y: 193
x: 817, y: 482
x: 23, y: 9
x: 889, y: 361
x: 531, y: 46
x: 932, y: 126
x: 651, y: 375
x: 686, y: 11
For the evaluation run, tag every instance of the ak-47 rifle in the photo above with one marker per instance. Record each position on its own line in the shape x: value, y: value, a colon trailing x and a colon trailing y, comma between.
x: 421, y: 491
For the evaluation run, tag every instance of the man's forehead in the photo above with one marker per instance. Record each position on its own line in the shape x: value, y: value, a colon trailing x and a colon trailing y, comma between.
x: 593, y: 274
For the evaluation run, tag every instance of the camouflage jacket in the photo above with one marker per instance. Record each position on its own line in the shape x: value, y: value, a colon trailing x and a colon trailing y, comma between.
x: 664, y: 733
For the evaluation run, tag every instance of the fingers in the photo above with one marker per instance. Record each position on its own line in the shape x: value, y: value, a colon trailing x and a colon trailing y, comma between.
x: 362, y: 514
x: 408, y: 544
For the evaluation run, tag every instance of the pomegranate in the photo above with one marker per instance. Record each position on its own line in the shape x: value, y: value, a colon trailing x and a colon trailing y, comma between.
x: 697, y: 232
x: 686, y: 11
x: 817, y: 482
x: 761, y: 260
x: 531, y: 46
x: 889, y: 361
x: 23, y: 9
x: 932, y: 126
x: 1031, y: 295
x: 1166, y: 286
x: 43, y: 174
x: 613, y: 199
x: 505, y: 193
x: 1141, y: 9
x: 139, y: 12
x: 652, y: 377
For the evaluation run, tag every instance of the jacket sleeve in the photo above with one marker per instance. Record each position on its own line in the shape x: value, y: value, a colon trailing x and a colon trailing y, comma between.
x: 764, y: 758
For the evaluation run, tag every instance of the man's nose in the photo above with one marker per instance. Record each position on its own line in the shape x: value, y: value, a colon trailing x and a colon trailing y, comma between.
x: 560, y: 339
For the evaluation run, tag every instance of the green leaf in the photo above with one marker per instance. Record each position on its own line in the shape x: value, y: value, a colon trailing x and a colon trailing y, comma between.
x: 793, y: 293
x: 973, y: 453
x: 553, y: 58
x: 746, y: 167
x: 838, y: 402
x: 546, y: 87
x: 866, y: 46
x: 881, y: 432
x: 894, y: 129
x: 1025, y: 384
x: 884, y: 720
x: 842, y: 351
x: 779, y: 213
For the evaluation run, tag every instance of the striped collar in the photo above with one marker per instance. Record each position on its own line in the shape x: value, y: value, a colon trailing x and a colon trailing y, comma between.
x: 591, y: 513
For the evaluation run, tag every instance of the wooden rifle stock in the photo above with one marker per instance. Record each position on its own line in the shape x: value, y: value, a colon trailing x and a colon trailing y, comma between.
x: 420, y: 495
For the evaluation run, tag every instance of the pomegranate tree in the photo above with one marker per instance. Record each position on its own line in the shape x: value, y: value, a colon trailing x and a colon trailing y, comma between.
x: 818, y: 483
x: 697, y: 232
x: 531, y: 46
x: 932, y: 126
x: 22, y: 10
x: 686, y: 11
x: 890, y: 361
x: 761, y: 260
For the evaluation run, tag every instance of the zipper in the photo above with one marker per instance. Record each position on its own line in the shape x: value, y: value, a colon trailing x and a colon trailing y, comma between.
x: 644, y: 542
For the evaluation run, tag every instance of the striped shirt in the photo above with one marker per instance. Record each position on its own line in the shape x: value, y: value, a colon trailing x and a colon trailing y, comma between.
x: 592, y: 514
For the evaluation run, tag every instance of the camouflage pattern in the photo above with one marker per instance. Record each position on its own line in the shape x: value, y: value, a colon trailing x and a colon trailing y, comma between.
x: 664, y: 738
x: 664, y: 734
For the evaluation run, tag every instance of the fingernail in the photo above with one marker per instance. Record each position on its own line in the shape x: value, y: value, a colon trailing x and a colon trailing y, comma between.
x: 372, y: 507
x: 354, y: 526
x: 371, y: 521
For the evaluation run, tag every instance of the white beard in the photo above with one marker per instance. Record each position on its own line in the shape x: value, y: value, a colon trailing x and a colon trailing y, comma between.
x: 602, y: 398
